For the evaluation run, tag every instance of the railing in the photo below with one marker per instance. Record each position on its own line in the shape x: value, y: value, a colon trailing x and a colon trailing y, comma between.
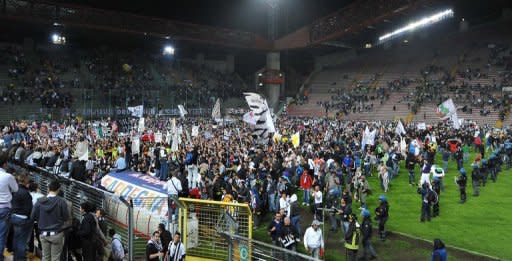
x: 244, y: 249
x: 129, y: 218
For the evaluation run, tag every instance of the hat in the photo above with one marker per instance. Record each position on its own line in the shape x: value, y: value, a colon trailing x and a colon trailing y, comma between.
x: 365, y: 213
x: 382, y: 198
x: 439, y: 170
x: 315, y: 222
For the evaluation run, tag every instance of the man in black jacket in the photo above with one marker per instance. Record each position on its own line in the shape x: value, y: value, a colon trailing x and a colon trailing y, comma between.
x: 20, y: 217
x: 165, y: 237
x: 87, y: 232
x: 51, y: 212
x: 78, y: 171
x: 461, y: 181
x: 288, y: 237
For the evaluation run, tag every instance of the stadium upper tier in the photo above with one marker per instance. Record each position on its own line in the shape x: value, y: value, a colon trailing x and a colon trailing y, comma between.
x: 409, y: 80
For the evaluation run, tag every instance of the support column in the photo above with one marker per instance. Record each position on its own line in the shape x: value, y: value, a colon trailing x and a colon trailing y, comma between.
x: 273, y: 90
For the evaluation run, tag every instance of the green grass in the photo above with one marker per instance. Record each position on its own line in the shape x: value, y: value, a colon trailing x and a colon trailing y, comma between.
x: 482, y: 224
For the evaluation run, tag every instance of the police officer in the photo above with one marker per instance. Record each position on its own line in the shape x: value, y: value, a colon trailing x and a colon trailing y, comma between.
x: 381, y: 214
x: 352, y: 238
x: 426, y: 201
x: 366, y: 230
x: 484, y: 172
x: 410, y: 162
x: 461, y: 181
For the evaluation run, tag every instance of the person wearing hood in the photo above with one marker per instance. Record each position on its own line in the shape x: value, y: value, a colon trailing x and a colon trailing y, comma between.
x: 117, y: 253
x: 461, y: 181
x: 295, y: 212
x: 51, y: 212
x: 439, y: 252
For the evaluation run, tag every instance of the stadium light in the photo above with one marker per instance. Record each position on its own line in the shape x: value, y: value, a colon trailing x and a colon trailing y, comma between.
x: 58, y: 39
x: 168, y: 50
x: 426, y: 21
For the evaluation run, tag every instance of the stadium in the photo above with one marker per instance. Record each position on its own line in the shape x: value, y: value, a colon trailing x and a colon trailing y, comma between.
x: 278, y: 130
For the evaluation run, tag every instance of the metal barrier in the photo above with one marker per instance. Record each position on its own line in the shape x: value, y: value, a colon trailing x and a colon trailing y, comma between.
x: 200, y: 221
x: 245, y: 249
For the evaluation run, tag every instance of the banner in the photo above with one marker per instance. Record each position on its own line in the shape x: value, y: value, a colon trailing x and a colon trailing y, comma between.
x: 141, y: 127
x: 139, y: 187
x: 195, y: 131
x: 158, y: 137
x: 421, y: 126
x: 136, y: 111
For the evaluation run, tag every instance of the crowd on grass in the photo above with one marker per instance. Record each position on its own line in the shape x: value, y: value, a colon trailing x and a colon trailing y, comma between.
x: 329, y: 169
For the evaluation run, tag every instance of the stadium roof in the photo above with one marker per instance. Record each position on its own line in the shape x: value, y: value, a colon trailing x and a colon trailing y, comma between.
x: 243, y: 23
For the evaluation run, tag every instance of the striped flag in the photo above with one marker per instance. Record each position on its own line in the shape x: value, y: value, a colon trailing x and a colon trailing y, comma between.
x: 264, y: 124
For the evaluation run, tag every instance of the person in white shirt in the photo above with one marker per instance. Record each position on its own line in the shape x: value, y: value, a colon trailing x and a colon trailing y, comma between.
x: 284, y: 203
x: 176, y: 249
x: 173, y: 186
x: 313, y: 239
x: 318, y: 199
x: 8, y: 186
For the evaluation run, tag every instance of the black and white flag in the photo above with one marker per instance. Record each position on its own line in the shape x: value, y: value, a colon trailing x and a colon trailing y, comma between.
x: 264, y: 124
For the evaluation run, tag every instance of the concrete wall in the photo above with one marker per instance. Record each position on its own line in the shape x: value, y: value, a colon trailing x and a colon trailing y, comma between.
x: 334, y: 59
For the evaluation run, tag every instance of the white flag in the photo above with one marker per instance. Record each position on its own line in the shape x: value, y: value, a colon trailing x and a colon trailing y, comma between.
x: 136, y: 111
x: 421, y: 126
x: 141, y: 125
x: 447, y: 110
x: 135, y: 145
x: 216, y: 110
x: 195, y: 131
x: 400, y: 130
x: 158, y: 137
x: 182, y: 110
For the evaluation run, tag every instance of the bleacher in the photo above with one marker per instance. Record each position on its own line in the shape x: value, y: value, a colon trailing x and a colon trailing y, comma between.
x: 407, y: 62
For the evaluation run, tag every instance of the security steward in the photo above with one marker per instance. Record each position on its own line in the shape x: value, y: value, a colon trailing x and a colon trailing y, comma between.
x: 352, y: 238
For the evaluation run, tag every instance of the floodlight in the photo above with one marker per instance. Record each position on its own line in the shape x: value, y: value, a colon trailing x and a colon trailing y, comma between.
x: 58, y: 39
x: 168, y: 50
x: 426, y: 21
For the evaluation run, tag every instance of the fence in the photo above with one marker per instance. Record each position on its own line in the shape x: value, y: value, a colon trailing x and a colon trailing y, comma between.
x: 132, y: 219
x: 203, y: 219
x: 245, y: 249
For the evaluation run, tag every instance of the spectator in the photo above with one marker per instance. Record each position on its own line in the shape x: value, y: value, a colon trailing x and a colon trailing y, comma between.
x: 313, y: 239
x: 8, y: 186
x: 165, y: 237
x: 88, y: 233
x: 439, y: 252
x: 117, y: 253
x: 176, y: 249
x: 154, y: 250
x: 288, y: 237
x: 50, y: 213
x: 20, y: 218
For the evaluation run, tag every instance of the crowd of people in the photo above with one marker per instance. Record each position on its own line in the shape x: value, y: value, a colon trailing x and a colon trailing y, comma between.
x: 330, y: 167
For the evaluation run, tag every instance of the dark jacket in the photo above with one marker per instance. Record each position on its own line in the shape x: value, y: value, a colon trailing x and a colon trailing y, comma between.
x: 78, y: 170
x: 289, y: 232
x: 50, y: 213
x: 366, y: 229
x: 22, y: 202
x: 87, y: 227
